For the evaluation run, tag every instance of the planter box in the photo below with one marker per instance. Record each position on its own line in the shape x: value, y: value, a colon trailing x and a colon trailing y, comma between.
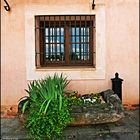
x: 109, y: 111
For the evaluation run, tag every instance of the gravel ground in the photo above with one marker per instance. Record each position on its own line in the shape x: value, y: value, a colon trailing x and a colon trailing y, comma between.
x: 125, y: 129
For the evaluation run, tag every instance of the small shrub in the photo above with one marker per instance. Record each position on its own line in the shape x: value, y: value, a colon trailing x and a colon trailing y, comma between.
x: 48, y: 108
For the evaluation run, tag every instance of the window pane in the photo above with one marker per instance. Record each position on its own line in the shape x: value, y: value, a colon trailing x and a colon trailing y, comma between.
x: 58, y: 39
x: 73, y: 31
x: 47, y: 40
x: 51, y: 31
x: 47, y: 32
x: 73, y: 47
x: 82, y: 31
x: 62, y: 52
x: 62, y: 39
x: 62, y: 48
x: 62, y: 31
x: 58, y: 31
x: 86, y: 51
x: 77, y: 48
x: 73, y: 39
x: 77, y: 39
x: 77, y: 31
x: 85, y: 39
x: 47, y: 51
x: 79, y: 51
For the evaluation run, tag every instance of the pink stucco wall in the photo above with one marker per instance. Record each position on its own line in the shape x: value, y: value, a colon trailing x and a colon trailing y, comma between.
x: 122, y: 51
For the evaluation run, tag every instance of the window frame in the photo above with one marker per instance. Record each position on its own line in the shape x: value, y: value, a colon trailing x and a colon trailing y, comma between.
x: 41, y: 61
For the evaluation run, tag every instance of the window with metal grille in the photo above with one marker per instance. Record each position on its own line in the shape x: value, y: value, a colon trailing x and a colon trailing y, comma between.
x: 65, y: 40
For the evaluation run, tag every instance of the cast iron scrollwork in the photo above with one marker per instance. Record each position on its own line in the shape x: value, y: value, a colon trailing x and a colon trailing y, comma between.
x: 7, y: 7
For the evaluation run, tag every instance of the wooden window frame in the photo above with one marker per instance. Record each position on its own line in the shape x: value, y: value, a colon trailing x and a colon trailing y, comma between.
x: 80, y: 21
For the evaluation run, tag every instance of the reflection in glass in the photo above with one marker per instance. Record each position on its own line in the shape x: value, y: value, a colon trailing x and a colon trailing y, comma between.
x: 54, y: 44
x: 79, y: 43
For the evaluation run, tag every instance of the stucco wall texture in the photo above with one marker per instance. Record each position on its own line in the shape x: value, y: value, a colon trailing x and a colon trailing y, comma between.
x: 122, y: 51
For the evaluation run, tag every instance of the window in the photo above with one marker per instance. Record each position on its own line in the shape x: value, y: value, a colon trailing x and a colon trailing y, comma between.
x: 65, y: 40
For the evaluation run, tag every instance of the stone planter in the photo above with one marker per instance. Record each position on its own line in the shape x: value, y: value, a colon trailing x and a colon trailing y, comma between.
x: 109, y: 111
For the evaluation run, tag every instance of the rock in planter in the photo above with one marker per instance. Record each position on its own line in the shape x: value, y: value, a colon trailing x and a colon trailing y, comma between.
x: 113, y: 100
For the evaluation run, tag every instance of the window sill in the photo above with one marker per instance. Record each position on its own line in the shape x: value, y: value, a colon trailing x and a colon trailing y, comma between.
x: 71, y: 73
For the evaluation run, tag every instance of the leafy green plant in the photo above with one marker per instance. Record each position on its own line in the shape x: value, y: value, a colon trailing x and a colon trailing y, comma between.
x: 74, y: 98
x: 49, y: 111
x: 80, y: 100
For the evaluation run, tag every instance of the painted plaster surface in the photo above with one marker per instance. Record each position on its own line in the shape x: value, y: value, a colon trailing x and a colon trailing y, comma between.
x: 121, y: 47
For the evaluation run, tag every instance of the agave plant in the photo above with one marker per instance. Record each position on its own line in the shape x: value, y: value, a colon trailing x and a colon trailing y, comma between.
x: 46, y: 91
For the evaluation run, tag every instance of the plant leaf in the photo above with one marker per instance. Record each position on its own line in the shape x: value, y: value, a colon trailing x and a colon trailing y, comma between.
x: 47, y: 106
x: 24, y: 106
x: 24, y: 97
x: 42, y: 106
x: 60, y: 102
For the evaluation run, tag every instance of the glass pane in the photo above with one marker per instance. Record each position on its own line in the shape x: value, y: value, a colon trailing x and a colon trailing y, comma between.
x: 77, y: 39
x: 82, y: 51
x: 62, y: 52
x: 85, y: 39
x: 58, y: 39
x: 82, y: 31
x: 51, y: 31
x: 72, y: 39
x: 55, y: 39
x: 51, y: 48
x: 86, y: 51
x: 77, y: 31
x: 58, y: 48
x: 47, y: 51
x: 51, y: 39
x: 62, y: 39
x: 62, y: 31
x: 73, y: 31
x: 86, y: 31
x: 82, y: 40
x: 62, y: 48
x: 47, y: 40
x: 58, y: 31
x: 86, y: 47
x: 72, y: 47
x: 77, y: 47
x: 46, y: 32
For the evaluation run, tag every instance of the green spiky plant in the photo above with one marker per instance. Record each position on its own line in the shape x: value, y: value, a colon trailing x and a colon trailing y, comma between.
x: 48, y: 108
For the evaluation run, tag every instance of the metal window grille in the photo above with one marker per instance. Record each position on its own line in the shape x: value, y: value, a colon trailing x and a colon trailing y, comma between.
x: 65, y: 40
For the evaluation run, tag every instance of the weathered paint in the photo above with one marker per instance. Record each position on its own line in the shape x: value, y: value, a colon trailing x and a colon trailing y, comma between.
x: 121, y: 48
